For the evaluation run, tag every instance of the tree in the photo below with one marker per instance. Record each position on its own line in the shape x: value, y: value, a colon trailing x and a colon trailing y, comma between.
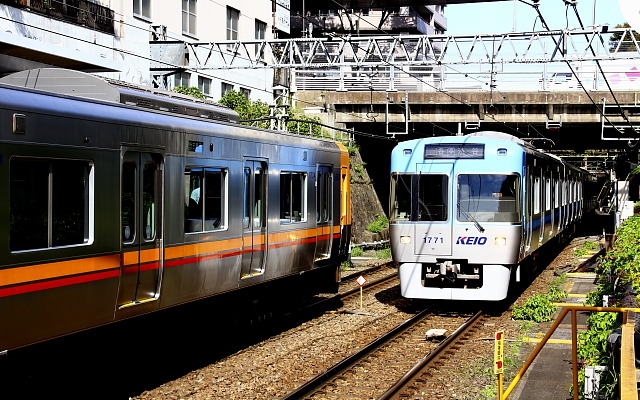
x: 247, y: 109
x: 190, y: 91
x: 627, y: 41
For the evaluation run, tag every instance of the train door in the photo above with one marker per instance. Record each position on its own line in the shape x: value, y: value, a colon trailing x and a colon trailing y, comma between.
x: 141, y: 229
x: 254, y: 218
x: 528, y: 207
x: 433, y: 199
x: 324, y: 208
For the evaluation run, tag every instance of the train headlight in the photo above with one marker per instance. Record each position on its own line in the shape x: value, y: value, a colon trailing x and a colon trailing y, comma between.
x: 405, y: 239
x: 500, y: 241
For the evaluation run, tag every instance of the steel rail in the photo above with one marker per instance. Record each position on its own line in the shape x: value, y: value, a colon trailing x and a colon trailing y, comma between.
x: 394, y: 391
x: 338, y: 368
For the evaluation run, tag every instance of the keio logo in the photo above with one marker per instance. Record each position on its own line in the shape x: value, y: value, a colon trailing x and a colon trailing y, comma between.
x: 471, y: 240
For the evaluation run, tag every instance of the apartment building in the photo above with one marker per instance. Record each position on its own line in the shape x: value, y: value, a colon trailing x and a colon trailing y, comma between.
x: 308, y: 20
x: 153, y: 43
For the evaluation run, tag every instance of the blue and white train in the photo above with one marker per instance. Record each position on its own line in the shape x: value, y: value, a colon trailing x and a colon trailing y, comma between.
x: 468, y: 212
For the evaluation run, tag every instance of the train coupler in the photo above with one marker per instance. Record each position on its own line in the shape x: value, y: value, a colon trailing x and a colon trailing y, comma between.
x: 452, y: 270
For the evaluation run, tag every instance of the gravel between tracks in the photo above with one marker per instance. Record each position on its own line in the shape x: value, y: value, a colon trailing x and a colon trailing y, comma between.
x: 272, y: 368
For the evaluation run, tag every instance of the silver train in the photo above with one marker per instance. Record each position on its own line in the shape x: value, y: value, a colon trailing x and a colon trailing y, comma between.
x: 117, y: 202
x: 467, y: 213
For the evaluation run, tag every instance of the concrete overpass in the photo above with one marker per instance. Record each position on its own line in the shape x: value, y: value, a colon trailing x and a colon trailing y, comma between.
x: 572, y: 119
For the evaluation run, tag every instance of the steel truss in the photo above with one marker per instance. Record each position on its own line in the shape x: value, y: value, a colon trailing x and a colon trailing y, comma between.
x: 415, y: 50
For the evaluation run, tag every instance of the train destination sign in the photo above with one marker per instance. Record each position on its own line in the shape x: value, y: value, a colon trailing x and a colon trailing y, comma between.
x: 454, y: 150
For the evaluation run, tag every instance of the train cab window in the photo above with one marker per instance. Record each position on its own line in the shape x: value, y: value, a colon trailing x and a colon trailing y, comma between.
x: 488, y: 198
x: 205, y: 199
x: 432, y: 197
x: 293, y: 197
x: 419, y: 197
x: 50, y: 203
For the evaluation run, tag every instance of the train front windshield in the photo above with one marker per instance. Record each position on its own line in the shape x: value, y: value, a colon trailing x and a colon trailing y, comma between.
x: 419, y: 197
x: 488, y: 198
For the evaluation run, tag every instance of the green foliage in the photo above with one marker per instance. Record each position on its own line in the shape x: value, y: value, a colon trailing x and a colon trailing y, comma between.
x: 359, y: 169
x: 592, y: 349
x: 556, y: 294
x: 383, y: 254
x: 623, y: 260
x: 379, y: 224
x: 580, y: 252
x: 590, y: 245
x: 559, y: 280
x: 357, y: 252
x: 352, y: 148
x: 617, y: 268
x: 189, y: 91
x: 247, y: 109
x: 627, y: 42
x: 537, y: 308
x: 307, y: 126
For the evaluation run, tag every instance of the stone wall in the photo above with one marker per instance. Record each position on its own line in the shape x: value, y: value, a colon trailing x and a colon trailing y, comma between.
x: 365, y: 204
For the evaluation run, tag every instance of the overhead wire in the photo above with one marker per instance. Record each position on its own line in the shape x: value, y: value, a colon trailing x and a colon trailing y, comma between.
x: 440, y: 90
x: 613, y: 95
x: 536, y: 6
x: 177, y: 67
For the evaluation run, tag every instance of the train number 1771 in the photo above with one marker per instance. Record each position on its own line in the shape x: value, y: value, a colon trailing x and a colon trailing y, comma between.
x: 433, y: 239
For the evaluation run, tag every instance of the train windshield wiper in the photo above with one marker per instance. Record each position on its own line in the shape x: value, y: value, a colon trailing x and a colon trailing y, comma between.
x: 470, y: 217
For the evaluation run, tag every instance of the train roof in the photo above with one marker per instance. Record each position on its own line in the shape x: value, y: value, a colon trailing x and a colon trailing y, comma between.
x: 81, y: 84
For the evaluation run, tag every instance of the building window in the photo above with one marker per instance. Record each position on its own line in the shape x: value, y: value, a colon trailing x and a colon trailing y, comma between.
x: 182, y: 79
x: 246, y: 92
x: 233, y: 16
x: 205, y: 199
x: 189, y: 17
x: 260, y: 34
x: 142, y: 8
x: 261, y: 30
x: 225, y: 87
x: 50, y: 203
x: 204, y: 84
x: 293, y: 197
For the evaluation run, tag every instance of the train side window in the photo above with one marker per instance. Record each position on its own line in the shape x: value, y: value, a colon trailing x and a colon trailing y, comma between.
x: 536, y: 195
x: 205, y: 199
x: 293, y: 196
x: 324, y: 194
x: 50, y: 203
x: 556, y: 194
x: 547, y: 194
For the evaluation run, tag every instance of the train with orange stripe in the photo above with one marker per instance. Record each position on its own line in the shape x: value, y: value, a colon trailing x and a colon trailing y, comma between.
x: 119, y: 201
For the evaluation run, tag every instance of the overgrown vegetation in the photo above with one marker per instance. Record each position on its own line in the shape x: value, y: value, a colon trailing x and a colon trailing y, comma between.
x: 189, y: 91
x: 381, y: 222
x: 357, y: 252
x: 540, y: 307
x: 537, y: 308
x: 618, y: 270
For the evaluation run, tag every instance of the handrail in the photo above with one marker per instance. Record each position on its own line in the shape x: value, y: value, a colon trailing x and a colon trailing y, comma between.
x: 574, y: 344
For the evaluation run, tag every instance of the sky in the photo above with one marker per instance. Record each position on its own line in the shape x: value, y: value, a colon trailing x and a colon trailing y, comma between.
x: 500, y: 17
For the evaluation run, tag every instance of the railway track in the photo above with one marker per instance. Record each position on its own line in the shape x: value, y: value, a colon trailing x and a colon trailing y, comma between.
x: 387, y: 366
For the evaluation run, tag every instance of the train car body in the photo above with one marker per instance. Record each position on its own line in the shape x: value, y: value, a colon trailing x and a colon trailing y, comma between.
x: 110, y: 210
x: 468, y: 211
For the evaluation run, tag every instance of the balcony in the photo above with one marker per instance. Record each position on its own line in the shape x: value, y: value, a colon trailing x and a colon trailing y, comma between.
x: 78, y: 12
